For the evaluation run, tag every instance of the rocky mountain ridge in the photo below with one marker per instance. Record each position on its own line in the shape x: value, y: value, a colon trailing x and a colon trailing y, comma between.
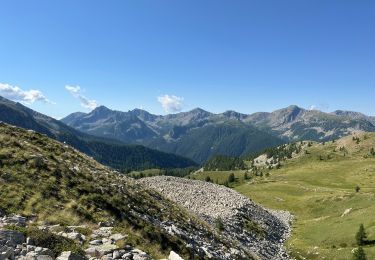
x: 229, y: 133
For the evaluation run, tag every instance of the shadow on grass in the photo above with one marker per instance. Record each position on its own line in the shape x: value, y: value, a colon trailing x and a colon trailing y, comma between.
x: 369, y: 242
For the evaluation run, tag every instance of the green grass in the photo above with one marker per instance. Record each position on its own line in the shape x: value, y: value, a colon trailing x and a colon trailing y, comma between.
x: 56, y: 184
x: 317, y: 188
x: 318, y: 192
x: 219, y: 177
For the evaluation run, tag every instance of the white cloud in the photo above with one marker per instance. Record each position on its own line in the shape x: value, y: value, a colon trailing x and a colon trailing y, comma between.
x: 85, y: 102
x: 171, y: 103
x: 26, y: 96
x: 321, y: 107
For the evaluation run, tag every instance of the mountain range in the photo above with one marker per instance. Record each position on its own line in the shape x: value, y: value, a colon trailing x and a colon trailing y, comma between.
x: 199, y: 134
x: 110, y: 152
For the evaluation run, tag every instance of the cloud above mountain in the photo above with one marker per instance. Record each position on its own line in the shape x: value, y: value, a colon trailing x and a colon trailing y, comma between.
x: 76, y: 92
x: 171, y: 104
x: 25, y: 96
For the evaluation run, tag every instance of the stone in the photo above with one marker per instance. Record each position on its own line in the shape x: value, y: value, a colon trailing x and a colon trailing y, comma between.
x: 96, y: 242
x: 116, y: 255
x: 142, y: 257
x: 11, y: 237
x: 44, y: 251
x: 68, y: 255
x: 92, y: 251
x: 127, y: 256
x: 44, y: 257
x: 30, y: 248
x: 14, y: 220
x: 6, y: 252
x: 174, y: 256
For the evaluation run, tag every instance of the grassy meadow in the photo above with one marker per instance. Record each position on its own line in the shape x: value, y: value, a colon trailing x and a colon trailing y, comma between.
x: 317, y: 187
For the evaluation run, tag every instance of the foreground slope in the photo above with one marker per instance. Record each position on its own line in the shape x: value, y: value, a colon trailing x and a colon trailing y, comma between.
x: 318, y: 186
x: 52, y: 183
x: 109, y: 152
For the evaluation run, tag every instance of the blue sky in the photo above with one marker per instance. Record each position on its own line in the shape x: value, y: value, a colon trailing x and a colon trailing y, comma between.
x: 238, y: 55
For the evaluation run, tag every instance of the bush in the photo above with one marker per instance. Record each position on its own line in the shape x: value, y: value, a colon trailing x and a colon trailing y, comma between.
x: 231, y: 178
x: 219, y: 224
x: 57, y: 244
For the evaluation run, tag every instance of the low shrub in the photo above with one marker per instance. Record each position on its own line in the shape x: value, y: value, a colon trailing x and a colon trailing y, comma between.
x: 57, y: 244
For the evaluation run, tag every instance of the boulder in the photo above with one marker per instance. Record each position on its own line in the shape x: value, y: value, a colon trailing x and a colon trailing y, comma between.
x: 43, y: 251
x: 44, y: 257
x: 6, y: 253
x: 174, y: 256
x: 68, y: 255
x: 14, y: 237
x: 14, y: 220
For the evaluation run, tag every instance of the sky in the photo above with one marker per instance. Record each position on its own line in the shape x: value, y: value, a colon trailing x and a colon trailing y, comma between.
x: 166, y: 56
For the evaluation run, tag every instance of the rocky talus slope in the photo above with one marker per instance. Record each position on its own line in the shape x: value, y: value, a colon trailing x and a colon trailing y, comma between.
x: 253, y: 228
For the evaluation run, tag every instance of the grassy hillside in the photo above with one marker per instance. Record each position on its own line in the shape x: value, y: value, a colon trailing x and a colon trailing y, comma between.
x: 317, y: 185
x: 56, y: 184
x: 109, y: 152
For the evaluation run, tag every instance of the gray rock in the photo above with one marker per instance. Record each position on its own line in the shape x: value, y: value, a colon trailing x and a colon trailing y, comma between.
x: 92, y: 251
x: 30, y: 248
x: 127, y: 256
x: 116, y: 255
x: 174, y: 256
x: 142, y: 257
x: 6, y: 253
x: 68, y: 255
x: 14, y: 220
x: 11, y: 236
x: 43, y: 251
x: 44, y: 257
x: 96, y: 242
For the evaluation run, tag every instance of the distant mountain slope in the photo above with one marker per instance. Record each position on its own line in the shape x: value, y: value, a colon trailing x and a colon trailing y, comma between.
x: 199, y: 134
x: 196, y: 134
x: 295, y: 123
x: 107, y: 151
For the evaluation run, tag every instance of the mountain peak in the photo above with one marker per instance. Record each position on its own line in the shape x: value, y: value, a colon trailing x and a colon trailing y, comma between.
x: 198, y: 110
x: 101, y: 109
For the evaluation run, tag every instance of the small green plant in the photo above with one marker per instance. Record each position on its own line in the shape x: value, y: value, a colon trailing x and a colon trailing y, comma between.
x: 253, y: 227
x: 57, y: 244
x: 219, y: 224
